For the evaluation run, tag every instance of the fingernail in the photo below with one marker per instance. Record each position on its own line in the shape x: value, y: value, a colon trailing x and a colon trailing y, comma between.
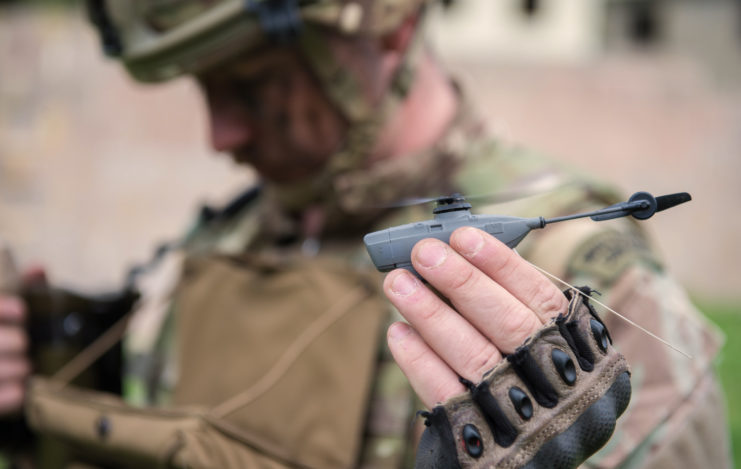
x: 470, y: 241
x: 398, y: 331
x: 431, y: 254
x: 404, y: 284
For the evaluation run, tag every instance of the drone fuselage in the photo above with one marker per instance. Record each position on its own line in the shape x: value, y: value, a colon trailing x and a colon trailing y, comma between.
x: 391, y: 248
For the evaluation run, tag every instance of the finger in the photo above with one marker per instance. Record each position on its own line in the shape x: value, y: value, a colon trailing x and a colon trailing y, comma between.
x: 446, y: 332
x: 12, y: 310
x: 500, y: 317
x: 13, y: 340
x: 431, y: 378
x: 509, y: 270
x: 11, y: 397
x: 14, y: 369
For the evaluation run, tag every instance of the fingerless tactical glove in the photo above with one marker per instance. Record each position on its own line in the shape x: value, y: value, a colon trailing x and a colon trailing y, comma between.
x: 551, y: 404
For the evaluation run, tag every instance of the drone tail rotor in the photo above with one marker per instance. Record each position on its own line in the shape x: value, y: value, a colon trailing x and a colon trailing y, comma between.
x: 664, y: 202
x: 651, y: 204
x: 641, y: 206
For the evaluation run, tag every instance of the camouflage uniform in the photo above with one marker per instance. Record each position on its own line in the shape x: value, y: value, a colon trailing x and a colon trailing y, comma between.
x: 318, y: 388
x: 676, y: 418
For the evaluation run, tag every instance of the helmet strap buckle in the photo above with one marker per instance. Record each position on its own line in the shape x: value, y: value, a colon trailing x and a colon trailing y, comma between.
x: 280, y: 19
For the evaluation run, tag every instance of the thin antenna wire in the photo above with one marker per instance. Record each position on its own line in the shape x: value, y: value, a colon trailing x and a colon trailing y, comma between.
x: 644, y: 330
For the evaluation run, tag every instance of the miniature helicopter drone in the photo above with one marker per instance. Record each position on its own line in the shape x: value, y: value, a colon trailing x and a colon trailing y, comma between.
x: 391, y: 248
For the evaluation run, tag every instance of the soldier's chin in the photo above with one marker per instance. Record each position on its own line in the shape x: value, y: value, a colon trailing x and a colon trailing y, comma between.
x: 283, y: 176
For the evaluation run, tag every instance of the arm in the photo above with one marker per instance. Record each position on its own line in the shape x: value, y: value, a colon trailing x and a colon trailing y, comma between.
x: 103, y: 429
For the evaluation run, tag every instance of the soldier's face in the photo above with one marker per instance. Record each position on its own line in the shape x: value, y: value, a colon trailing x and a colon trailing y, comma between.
x: 268, y: 111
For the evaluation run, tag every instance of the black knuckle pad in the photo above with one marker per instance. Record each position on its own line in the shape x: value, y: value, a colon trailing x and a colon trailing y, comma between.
x: 599, y: 332
x: 472, y: 439
x: 437, y: 447
x: 564, y: 366
x: 522, y: 403
x: 522, y: 413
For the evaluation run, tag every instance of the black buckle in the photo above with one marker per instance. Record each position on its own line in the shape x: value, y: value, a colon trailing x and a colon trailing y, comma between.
x: 280, y: 19
x: 109, y: 37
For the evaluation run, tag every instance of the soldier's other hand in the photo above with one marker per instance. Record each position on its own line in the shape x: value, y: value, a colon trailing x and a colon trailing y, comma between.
x: 14, y: 364
x: 496, y: 300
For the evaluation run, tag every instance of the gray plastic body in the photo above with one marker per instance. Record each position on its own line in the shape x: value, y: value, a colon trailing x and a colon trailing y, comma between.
x: 391, y: 248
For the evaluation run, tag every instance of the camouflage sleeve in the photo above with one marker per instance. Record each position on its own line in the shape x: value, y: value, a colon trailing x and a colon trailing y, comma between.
x: 100, y: 430
x: 676, y: 418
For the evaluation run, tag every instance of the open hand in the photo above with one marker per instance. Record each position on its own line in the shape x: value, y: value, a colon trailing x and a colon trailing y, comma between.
x: 496, y: 300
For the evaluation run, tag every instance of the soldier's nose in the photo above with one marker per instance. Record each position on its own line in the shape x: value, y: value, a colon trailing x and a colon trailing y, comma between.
x: 230, y: 124
x: 229, y: 131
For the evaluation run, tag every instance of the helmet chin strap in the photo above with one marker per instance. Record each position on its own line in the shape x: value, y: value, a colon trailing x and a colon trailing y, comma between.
x: 322, y: 189
x: 333, y: 187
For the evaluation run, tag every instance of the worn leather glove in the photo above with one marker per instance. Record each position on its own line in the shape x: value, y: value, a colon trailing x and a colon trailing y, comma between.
x: 551, y: 404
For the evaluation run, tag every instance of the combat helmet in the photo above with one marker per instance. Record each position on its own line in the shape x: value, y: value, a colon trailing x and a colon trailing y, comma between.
x: 158, y: 40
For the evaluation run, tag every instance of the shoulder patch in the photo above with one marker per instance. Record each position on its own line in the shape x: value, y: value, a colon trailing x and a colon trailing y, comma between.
x: 603, y: 257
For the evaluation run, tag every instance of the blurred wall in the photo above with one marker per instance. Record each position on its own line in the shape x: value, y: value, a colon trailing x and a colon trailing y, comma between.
x: 646, y: 93
x: 536, y: 30
x: 95, y: 169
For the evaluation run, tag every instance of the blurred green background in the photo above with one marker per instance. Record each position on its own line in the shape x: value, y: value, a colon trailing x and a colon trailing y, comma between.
x: 728, y: 318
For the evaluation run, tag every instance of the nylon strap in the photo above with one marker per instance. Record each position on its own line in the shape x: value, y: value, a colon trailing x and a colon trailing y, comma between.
x: 343, y: 306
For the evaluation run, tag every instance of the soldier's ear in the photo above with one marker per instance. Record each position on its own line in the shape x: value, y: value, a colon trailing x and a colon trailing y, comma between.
x: 399, y: 40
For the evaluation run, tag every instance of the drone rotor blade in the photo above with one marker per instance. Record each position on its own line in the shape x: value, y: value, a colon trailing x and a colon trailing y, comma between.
x: 499, y: 197
x: 537, y: 187
x: 664, y: 202
x: 411, y: 201
x: 494, y: 198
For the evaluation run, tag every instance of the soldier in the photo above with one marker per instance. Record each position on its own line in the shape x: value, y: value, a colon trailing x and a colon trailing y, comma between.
x: 271, y: 352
